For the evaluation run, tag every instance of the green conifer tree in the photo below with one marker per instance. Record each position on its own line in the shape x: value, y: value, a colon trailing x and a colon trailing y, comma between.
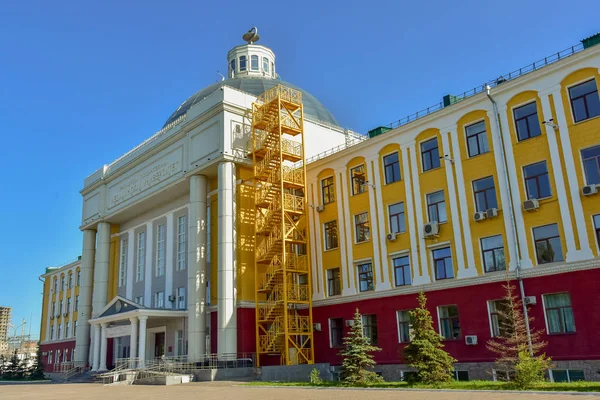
x: 36, y: 372
x: 425, y: 352
x: 358, y: 361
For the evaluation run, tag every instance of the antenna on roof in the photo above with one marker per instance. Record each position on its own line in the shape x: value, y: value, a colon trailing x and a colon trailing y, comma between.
x: 251, y: 36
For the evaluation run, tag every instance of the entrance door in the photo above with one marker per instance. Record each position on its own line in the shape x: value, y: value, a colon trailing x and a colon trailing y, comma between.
x: 159, y: 344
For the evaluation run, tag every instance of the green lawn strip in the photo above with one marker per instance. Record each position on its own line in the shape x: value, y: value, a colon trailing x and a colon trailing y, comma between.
x: 471, y: 385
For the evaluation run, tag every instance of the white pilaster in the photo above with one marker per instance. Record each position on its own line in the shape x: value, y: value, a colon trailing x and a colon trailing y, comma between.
x: 425, y: 277
x: 226, y: 307
x: 382, y: 281
x: 348, y: 242
x: 197, y: 277
x: 410, y: 213
x: 148, y: 268
x: 100, y: 293
x: 142, y: 352
x: 133, y: 338
x: 96, y: 342
x: 84, y: 312
x: 103, y: 348
x: 503, y: 189
x: 169, y: 244
x: 314, y: 223
x: 584, y: 252
x: 130, y: 266
x: 513, y: 178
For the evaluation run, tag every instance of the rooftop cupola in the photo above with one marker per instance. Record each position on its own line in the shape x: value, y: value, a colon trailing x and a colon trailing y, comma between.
x: 251, y: 60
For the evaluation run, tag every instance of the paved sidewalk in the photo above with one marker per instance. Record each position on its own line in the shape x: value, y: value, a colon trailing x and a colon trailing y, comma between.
x: 231, y: 391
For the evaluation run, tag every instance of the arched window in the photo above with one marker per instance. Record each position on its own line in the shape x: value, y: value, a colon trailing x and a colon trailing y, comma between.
x: 266, y: 64
x: 254, y: 63
x: 242, y: 63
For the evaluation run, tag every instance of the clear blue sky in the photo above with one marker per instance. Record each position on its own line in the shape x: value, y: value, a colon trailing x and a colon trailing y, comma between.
x: 83, y: 82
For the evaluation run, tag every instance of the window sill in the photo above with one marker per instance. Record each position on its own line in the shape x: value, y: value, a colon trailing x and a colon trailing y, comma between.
x: 432, y: 169
x: 363, y: 242
x: 584, y: 120
x: 530, y: 139
x: 332, y: 249
x: 358, y: 194
x: 477, y: 155
x: 561, y: 334
x: 550, y: 263
x: 391, y: 183
x: 458, y: 339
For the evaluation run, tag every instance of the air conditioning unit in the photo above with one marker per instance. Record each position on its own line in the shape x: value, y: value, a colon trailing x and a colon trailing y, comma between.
x: 320, y: 208
x: 392, y: 236
x: 317, y: 326
x: 431, y: 229
x: 491, y: 212
x: 530, y: 300
x: 349, y: 322
x: 44, y: 353
x: 172, y: 298
x: 479, y: 216
x: 589, y: 190
x: 471, y: 340
x: 530, y: 205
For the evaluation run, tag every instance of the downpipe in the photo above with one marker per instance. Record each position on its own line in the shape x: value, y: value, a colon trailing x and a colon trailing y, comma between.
x: 512, y: 220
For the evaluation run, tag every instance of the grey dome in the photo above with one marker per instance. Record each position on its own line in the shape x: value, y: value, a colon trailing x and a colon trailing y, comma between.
x: 313, y: 109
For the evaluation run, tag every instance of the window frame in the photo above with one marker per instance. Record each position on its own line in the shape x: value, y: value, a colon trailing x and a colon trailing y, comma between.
x: 159, y: 299
x: 596, y: 229
x: 265, y: 63
x: 327, y: 190
x: 181, y: 259
x: 569, y: 380
x: 254, y: 57
x: 405, y: 323
x: 141, y: 256
x: 432, y: 160
x: 583, y: 160
x: 491, y: 313
x: 243, y: 63
x: 392, y: 166
x: 78, y: 279
x: 537, y: 181
x: 485, y: 194
x: 123, y: 263
x: 404, y: 267
x: 563, y: 330
x: 584, y: 97
x: 437, y: 208
x: 451, y: 318
x: 334, y: 344
x: 434, y: 263
x: 526, y: 118
x: 366, y: 276
x: 358, y: 187
x: 331, y: 235
x: 547, y: 240
x: 476, y: 135
x: 363, y: 227
x: 160, y: 250
x: 400, y: 218
x: 370, y: 326
x: 493, y: 251
x: 334, y: 282
x: 181, y: 298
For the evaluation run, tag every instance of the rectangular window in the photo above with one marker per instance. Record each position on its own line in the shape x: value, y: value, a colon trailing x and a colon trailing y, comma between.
x: 74, y: 328
x: 566, y: 375
x: 140, y: 300
x: 365, y: 277
x: 430, y: 154
x: 180, y: 349
x: 181, y: 298
x: 70, y: 280
x: 76, y: 302
x: 50, y: 355
x: 67, y: 330
x: 333, y: 282
x: 402, y: 271
x: 331, y: 235
x: 141, y: 257
x: 159, y: 299
x: 403, y: 318
x: 369, y: 322
x: 461, y: 376
x: 485, y: 194
x: 537, y: 181
x: 526, y: 121
x: 60, y: 307
x: 391, y: 166
x: 54, y: 308
x: 123, y: 264
x: 547, y: 244
x: 585, y: 102
x: 336, y: 332
x: 181, y: 239
x: 62, y: 283
x: 160, y: 250
x: 266, y: 64
x: 559, y: 314
x: 243, y: 63
x: 254, y: 63
x: 68, y: 305
x: 55, y: 284
x: 591, y: 165
x: 52, y: 332
x: 442, y: 262
x: 597, y: 226
x: 477, y: 139
x: 327, y: 190
x: 362, y: 227
x: 359, y: 180
x: 497, y: 310
x: 78, y: 278
x: 492, y: 249
x: 449, y: 323
x: 59, y: 335
x: 397, y: 220
x: 436, y: 207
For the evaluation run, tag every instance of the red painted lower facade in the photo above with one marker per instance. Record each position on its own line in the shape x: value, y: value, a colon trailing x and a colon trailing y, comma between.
x: 50, y: 351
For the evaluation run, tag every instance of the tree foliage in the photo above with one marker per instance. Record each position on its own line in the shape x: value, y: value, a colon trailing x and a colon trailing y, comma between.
x: 517, y: 356
x: 425, y: 352
x: 36, y: 372
x: 358, y: 361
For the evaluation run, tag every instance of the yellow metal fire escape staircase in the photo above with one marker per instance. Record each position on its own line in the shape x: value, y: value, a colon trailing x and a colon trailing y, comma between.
x: 282, y: 271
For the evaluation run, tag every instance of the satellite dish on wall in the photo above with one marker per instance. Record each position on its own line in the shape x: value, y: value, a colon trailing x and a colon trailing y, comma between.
x: 251, y: 36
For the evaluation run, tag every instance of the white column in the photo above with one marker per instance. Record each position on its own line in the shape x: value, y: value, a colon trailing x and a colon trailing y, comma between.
x: 100, y: 292
x: 84, y: 312
x: 103, y: 348
x: 133, y: 339
x: 584, y: 252
x: 197, y: 277
x: 143, y: 320
x: 425, y: 277
x: 130, y: 267
x: 96, y: 358
x: 347, y: 243
x: 149, y: 267
x: 314, y: 224
x: 410, y: 213
x: 503, y: 189
x: 169, y: 244
x: 378, y: 234
x: 515, y: 194
x: 226, y: 307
